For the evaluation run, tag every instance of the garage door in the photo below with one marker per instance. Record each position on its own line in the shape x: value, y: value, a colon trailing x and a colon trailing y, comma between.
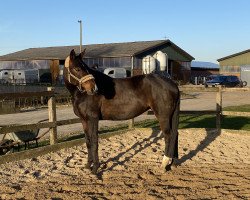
x: 245, y: 73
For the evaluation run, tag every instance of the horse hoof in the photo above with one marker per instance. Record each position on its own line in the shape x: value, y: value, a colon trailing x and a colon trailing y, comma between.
x: 94, y: 169
x: 167, y: 168
x: 88, y: 166
x: 166, y: 163
x: 174, y: 164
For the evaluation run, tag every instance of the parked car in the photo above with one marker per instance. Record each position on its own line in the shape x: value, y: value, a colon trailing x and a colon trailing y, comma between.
x: 226, y: 81
x: 210, y: 77
x: 116, y: 72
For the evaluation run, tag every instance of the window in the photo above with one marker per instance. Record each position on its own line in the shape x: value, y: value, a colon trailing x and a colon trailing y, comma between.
x: 106, y: 62
x: 117, y: 62
x: 91, y: 62
x: 137, y: 63
x: 112, y: 62
x: 126, y: 62
x: 111, y: 72
x: 100, y: 62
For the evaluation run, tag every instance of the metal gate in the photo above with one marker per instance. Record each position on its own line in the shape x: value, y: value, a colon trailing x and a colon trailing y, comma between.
x: 245, y: 73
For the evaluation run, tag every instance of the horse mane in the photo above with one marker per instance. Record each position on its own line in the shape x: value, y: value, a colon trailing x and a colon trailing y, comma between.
x: 105, y: 83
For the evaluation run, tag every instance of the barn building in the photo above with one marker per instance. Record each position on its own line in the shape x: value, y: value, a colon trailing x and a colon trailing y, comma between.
x: 236, y: 64
x: 128, y: 55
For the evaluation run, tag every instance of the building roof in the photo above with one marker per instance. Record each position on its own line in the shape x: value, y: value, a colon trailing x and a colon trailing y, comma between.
x: 92, y: 50
x: 204, y: 65
x: 233, y: 55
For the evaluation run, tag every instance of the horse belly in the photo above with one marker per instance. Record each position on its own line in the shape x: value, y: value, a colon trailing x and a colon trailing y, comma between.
x: 122, y: 112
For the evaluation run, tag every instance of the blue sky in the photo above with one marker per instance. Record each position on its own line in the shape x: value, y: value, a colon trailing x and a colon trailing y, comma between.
x: 206, y: 29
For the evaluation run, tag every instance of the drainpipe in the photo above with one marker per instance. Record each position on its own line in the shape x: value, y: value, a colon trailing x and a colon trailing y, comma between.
x: 132, y: 65
x: 131, y: 121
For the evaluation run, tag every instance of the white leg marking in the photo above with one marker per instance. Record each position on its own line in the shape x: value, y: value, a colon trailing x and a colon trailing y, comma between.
x: 166, y: 161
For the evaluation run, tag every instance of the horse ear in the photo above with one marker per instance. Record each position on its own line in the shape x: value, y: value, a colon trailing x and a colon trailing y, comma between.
x: 82, y: 53
x: 72, y: 54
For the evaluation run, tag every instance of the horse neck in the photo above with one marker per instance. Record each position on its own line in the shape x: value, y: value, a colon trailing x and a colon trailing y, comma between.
x: 71, y: 88
x: 105, y: 84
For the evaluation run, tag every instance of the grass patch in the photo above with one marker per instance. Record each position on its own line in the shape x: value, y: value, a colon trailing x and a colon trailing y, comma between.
x: 203, y: 121
x: 208, y: 121
x: 236, y: 123
x: 197, y: 121
x: 242, y: 108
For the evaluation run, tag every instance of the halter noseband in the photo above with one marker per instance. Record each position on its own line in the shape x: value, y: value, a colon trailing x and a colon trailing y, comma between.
x: 80, y: 80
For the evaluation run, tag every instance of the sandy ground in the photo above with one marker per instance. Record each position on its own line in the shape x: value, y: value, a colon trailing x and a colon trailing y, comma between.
x: 211, y: 166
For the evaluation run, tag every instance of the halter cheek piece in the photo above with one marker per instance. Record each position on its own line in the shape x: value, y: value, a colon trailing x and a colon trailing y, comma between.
x: 81, y: 80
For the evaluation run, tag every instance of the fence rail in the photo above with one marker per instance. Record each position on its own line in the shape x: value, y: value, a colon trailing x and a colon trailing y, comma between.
x: 26, y: 94
x: 53, y: 123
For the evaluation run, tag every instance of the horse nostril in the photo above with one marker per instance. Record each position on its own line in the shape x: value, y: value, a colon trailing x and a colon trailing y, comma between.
x: 96, y: 88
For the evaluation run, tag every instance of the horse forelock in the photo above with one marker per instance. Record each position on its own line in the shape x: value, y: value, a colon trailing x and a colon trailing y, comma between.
x: 66, y: 64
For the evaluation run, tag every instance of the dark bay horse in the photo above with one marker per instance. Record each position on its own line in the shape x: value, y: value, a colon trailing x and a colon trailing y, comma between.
x: 96, y: 96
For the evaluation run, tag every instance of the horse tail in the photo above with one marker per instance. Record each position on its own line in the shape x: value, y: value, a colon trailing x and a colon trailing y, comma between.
x: 175, y: 124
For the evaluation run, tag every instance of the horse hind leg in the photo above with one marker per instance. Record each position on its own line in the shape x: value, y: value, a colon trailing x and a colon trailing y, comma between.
x: 170, y: 147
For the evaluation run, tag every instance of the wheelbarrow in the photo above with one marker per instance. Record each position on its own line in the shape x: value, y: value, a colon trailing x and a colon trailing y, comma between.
x: 10, y: 140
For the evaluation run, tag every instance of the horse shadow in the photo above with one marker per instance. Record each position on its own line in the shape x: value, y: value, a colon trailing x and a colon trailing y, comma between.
x: 135, y: 148
x: 211, y: 135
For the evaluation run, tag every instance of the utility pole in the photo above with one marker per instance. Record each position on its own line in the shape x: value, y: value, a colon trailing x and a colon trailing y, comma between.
x: 80, y: 21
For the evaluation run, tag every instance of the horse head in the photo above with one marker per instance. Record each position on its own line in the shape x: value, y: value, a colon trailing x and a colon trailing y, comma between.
x: 77, y: 73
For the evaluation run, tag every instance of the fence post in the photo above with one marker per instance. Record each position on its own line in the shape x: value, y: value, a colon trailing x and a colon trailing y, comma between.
x: 52, y: 116
x: 218, y: 108
x: 131, y: 123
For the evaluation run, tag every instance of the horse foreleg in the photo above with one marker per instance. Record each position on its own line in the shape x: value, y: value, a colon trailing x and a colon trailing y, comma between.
x: 88, y: 144
x: 93, y: 132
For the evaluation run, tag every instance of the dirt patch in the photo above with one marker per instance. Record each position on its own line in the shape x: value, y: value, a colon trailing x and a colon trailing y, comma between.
x: 211, y: 165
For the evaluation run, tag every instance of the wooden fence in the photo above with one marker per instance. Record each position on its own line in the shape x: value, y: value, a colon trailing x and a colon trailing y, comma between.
x: 52, y: 124
x: 218, y: 112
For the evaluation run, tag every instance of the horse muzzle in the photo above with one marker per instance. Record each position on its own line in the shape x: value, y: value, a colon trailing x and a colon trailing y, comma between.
x: 92, y: 91
x: 87, y: 84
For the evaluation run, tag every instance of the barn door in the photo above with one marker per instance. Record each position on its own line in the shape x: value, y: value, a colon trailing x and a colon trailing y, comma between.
x: 54, y: 69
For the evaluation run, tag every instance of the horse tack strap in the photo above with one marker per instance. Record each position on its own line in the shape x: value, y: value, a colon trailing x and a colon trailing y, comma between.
x: 81, y: 80
x: 86, y: 78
